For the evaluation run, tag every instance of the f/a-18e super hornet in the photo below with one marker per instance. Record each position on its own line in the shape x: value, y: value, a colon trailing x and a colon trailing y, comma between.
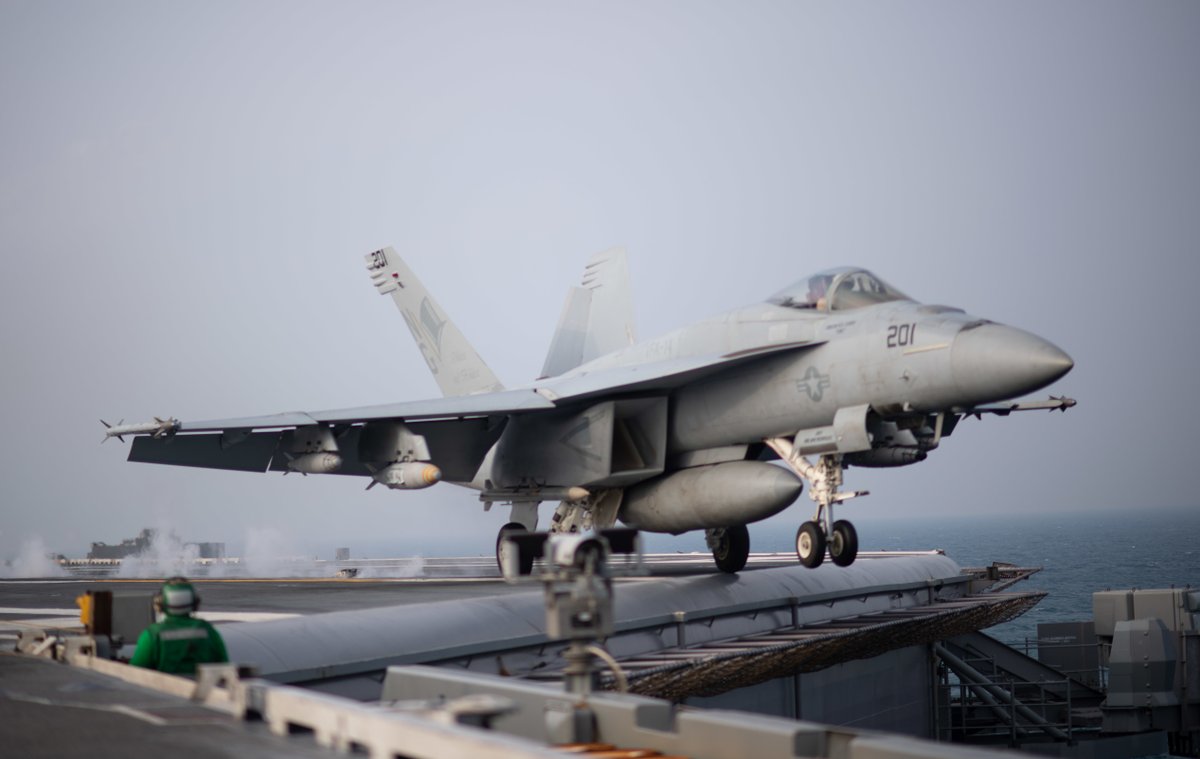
x: 667, y: 435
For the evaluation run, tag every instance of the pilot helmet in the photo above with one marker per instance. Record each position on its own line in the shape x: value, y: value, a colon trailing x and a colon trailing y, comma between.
x: 818, y: 287
x: 177, y: 598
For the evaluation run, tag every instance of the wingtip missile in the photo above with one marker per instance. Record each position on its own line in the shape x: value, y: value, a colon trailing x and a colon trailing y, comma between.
x: 1055, y: 403
x: 1063, y: 402
x: 159, y: 428
x: 108, y: 427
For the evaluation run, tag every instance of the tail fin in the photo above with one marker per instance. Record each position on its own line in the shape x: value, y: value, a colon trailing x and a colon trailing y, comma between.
x: 597, y: 317
x: 456, y: 366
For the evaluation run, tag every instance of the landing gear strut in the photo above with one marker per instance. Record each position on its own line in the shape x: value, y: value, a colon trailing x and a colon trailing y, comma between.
x: 730, y: 547
x: 596, y: 511
x: 821, y: 533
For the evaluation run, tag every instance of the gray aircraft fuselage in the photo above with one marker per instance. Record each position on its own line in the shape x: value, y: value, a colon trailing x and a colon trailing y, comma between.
x: 899, y: 357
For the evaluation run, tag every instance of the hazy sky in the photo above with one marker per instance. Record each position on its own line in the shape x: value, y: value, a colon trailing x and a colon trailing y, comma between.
x: 187, y: 189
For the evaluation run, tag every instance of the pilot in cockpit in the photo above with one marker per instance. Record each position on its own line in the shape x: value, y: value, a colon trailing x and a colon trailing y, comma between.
x: 837, y: 290
x: 818, y: 291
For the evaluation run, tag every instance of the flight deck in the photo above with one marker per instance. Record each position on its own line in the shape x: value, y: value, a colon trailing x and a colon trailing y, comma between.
x: 311, y: 587
x: 442, y: 657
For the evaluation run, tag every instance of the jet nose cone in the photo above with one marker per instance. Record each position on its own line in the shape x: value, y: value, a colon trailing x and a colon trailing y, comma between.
x: 993, y: 362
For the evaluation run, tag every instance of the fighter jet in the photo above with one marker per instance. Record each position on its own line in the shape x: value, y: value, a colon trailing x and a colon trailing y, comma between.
x: 711, y: 427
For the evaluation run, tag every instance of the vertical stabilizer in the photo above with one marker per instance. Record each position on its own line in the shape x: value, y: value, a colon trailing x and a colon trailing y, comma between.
x: 597, y: 317
x: 456, y: 365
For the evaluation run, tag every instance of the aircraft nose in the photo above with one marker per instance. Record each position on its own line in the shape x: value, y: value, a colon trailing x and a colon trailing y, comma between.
x: 994, y: 362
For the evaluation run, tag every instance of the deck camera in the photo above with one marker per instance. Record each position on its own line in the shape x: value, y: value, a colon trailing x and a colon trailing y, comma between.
x: 576, y: 572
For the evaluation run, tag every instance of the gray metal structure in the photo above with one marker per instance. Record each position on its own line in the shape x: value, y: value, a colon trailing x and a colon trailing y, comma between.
x: 346, y: 652
x: 1150, y: 640
x: 670, y: 434
x: 119, y: 711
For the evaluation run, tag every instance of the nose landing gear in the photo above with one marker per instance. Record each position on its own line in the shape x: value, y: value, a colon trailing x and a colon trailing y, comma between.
x: 842, y: 544
x: 821, y: 533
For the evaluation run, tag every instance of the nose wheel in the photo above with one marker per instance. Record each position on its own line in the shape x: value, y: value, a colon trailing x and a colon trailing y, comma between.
x: 810, y: 544
x: 842, y: 544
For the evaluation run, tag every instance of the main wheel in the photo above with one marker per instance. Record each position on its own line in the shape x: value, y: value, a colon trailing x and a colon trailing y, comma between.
x: 502, y: 548
x: 732, y: 549
x: 843, y: 543
x: 810, y: 544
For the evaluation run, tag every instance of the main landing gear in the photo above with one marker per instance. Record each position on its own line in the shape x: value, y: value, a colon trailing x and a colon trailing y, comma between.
x: 502, y: 549
x: 822, y: 533
x: 596, y: 511
x: 730, y: 547
x: 523, y: 518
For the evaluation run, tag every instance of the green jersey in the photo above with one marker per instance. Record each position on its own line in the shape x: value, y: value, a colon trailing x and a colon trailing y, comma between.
x: 177, y: 644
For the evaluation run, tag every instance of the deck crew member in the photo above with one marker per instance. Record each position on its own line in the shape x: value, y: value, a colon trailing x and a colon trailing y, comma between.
x: 178, y: 641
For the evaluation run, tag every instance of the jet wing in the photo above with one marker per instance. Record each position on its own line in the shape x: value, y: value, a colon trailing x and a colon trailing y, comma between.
x: 660, y: 375
x: 458, y: 407
x: 459, y: 430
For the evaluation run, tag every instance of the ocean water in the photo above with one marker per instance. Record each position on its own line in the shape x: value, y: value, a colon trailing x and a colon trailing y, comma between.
x: 1079, y: 553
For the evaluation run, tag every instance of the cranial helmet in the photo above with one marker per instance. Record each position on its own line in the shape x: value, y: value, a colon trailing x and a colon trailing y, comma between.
x: 177, y: 597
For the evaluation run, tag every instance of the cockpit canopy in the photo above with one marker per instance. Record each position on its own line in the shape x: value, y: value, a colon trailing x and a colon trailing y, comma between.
x: 837, y: 290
